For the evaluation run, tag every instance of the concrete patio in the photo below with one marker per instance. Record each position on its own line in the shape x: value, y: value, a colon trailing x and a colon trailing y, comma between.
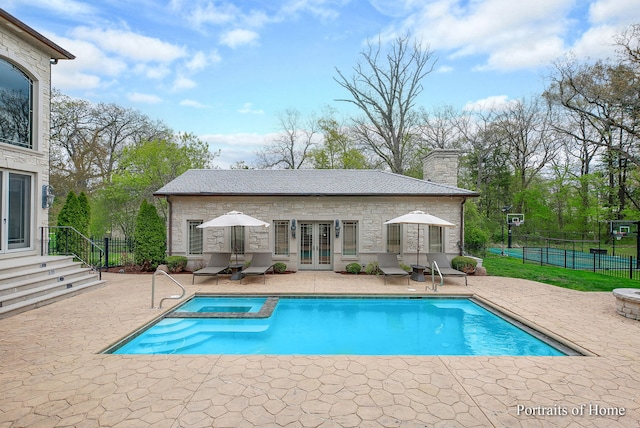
x: 53, y: 375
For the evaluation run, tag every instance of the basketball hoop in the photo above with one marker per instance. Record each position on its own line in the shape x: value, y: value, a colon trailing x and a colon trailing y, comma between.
x: 618, y: 235
x: 516, y: 222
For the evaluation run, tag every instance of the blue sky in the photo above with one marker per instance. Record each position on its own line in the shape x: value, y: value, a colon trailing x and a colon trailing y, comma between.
x: 224, y: 70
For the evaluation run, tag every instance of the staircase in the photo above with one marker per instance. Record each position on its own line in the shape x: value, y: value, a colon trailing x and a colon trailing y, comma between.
x: 30, y: 282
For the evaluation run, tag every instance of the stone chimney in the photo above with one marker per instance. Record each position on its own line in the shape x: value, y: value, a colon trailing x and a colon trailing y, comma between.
x: 441, y: 166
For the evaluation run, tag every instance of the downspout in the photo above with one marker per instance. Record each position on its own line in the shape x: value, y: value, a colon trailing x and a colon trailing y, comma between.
x: 461, y: 246
x: 169, y: 226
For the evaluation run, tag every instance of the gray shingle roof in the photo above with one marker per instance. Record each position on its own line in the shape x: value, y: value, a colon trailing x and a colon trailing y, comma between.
x: 303, y: 182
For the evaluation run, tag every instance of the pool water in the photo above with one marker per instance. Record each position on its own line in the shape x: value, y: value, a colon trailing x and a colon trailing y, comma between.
x: 343, y: 326
x: 227, y: 304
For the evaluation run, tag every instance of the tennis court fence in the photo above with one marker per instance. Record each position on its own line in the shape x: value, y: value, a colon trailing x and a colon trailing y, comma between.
x: 596, y: 261
x: 587, y: 255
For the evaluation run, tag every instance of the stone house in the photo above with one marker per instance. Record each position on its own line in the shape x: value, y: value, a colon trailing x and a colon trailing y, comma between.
x: 319, y: 219
x: 26, y: 58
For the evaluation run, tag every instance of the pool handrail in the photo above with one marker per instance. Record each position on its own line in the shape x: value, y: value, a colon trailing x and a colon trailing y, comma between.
x: 153, y: 288
x: 435, y: 268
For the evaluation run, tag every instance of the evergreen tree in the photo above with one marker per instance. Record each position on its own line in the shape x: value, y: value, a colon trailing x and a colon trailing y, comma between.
x: 84, y: 219
x: 150, y: 237
x: 68, y: 219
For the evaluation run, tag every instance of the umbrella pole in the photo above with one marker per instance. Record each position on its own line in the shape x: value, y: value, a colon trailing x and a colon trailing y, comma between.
x: 235, y: 242
x: 418, y: 248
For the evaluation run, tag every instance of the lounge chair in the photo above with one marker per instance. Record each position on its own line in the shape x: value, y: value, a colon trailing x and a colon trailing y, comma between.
x: 388, y: 264
x: 260, y: 264
x: 444, y: 266
x: 218, y: 263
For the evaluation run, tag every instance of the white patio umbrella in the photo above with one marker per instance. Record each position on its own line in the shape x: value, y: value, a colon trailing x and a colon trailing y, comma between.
x: 233, y: 218
x: 420, y: 217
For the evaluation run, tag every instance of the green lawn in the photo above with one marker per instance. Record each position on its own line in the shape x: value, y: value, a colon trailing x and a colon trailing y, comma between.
x: 567, y: 278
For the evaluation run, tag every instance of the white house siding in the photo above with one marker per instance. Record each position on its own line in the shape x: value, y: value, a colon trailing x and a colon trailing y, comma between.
x: 36, y: 65
x: 369, y: 211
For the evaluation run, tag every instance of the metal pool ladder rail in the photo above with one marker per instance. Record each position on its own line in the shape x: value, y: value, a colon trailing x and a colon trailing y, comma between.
x: 153, y: 288
x: 434, y: 269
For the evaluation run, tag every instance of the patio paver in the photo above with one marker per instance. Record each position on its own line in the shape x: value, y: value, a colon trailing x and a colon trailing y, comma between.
x: 52, y: 374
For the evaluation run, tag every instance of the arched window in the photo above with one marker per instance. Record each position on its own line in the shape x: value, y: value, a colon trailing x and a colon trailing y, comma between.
x: 16, y: 106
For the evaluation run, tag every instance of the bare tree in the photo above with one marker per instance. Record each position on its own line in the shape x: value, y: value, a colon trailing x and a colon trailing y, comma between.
x: 291, y: 147
x: 440, y: 129
x: 87, y: 140
x: 525, y: 128
x: 385, y: 87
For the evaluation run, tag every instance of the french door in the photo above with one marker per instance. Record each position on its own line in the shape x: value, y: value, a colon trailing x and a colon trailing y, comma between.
x: 315, y: 246
x: 15, y: 211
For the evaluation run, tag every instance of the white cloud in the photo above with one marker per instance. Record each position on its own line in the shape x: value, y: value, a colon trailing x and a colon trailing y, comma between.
x: 444, y: 69
x: 182, y: 83
x: 64, y: 7
x: 152, y: 71
x: 247, y: 108
x: 193, y: 103
x: 597, y: 43
x: 511, y: 34
x: 201, y: 60
x: 394, y: 8
x: 88, y: 70
x: 235, y: 147
x: 322, y: 9
x: 607, y: 11
x: 63, y: 80
x: 89, y: 58
x: 531, y: 54
x: 131, y: 45
x: 495, y: 102
x: 200, y: 14
x: 235, y: 38
x: 144, y: 98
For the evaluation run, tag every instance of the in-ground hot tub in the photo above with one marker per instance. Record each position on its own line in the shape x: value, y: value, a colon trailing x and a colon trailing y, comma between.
x: 628, y: 302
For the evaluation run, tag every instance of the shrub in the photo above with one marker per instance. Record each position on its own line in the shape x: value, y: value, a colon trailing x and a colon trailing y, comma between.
x: 150, y: 238
x: 279, y: 267
x: 405, y: 267
x: 464, y: 264
x: 373, y: 269
x: 176, y: 263
x: 354, y: 268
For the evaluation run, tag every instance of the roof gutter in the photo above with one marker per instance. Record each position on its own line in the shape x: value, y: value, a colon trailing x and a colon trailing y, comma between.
x: 169, y: 226
x: 461, y: 246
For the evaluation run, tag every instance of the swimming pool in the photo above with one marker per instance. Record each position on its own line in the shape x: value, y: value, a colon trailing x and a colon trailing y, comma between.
x: 335, y: 326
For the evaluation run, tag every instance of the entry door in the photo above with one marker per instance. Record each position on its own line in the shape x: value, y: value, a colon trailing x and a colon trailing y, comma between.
x: 315, y: 246
x: 15, y: 211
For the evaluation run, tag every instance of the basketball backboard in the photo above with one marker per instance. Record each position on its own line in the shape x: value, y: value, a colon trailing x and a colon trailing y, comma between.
x: 515, y: 219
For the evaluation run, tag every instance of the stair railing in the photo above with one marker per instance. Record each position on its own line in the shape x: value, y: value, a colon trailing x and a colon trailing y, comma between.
x: 66, y: 240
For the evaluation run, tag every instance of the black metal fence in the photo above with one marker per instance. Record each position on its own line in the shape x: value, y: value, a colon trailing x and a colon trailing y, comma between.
x: 66, y: 240
x: 118, y: 251
x: 596, y: 260
x: 97, y: 253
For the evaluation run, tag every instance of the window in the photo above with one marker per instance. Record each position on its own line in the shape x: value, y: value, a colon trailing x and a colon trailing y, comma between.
x: 281, y: 237
x: 393, y: 238
x: 435, y: 239
x: 350, y: 238
x: 16, y: 106
x: 194, y: 237
x: 237, y: 239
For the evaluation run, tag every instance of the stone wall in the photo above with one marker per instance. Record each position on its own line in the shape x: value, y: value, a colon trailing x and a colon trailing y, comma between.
x: 35, y: 64
x: 369, y: 212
